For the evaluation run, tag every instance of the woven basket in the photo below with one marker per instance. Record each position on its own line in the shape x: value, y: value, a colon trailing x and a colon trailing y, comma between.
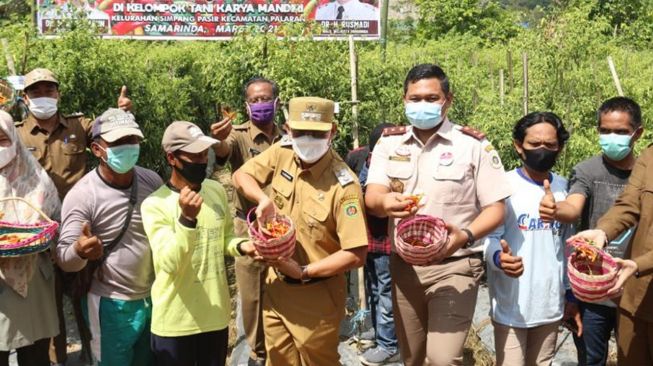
x: 429, y: 230
x: 7, y: 95
x: 590, y: 281
x: 17, y: 239
x: 270, y: 247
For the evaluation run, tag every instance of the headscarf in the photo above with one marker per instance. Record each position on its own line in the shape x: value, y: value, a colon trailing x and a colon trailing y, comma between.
x: 23, y: 177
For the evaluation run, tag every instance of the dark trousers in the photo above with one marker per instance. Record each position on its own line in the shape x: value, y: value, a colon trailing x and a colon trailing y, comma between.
x: 58, y: 345
x: 33, y: 355
x: 379, y: 299
x: 598, y: 323
x: 203, y: 349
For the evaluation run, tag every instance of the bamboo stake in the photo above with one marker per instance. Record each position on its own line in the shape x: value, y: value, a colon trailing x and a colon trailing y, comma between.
x: 8, y: 57
x: 525, y: 62
x: 511, y: 80
x: 501, y: 87
x: 353, y: 69
x: 615, y: 77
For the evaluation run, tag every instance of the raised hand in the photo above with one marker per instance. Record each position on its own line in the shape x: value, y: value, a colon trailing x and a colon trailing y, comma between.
x: 190, y: 203
x: 124, y: 102
x: 221, y: 130
x: 548, y: 204
x: 511, y: 265
x: 88, y: 246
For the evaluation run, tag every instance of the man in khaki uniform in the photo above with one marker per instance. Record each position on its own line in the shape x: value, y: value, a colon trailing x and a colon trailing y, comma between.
x: 634, y: 207
x: 244, y: 142
x: 304, y: 298
x: 463, y: 181
x: 59, y: 143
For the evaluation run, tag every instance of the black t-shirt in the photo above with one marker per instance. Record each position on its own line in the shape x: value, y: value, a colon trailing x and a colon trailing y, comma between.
x: 601, y: 184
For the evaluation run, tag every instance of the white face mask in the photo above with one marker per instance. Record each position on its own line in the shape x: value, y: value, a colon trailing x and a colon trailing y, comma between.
x: 7, y: 154
x: 310, y: 149
x: 43, y: 108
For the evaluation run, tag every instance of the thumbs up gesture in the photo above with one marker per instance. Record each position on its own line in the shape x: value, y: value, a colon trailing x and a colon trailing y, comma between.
x: 512, y: 266
x: 548, y: 204
x: 88, y: 246
x: 124, y: 102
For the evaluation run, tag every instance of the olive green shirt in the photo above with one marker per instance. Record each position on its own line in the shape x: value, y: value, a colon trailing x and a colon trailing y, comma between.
x: 62, y: 153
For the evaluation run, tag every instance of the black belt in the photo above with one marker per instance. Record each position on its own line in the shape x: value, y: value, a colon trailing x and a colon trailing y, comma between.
x: 294, y: 281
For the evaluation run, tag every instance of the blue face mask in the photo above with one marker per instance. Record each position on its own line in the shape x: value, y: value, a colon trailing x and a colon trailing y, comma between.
x: 122, y: 158
x: 424, y: 115
x: 615, y: 147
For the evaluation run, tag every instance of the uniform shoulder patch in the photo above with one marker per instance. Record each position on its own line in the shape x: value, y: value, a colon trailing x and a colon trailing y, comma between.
x: 393, y: 131
x: 473, y: 132
x: 343, y: 174
x: 285, y: 141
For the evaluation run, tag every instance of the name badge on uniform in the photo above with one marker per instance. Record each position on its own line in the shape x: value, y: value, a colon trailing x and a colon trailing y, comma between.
x: 446, y: 158
x: 287, y: 175
x: 253, y: 151
x: 399, y: 158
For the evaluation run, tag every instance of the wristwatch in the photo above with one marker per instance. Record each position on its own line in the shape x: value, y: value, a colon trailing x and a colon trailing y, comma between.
x: 304, y: 277
x: 470, y: 238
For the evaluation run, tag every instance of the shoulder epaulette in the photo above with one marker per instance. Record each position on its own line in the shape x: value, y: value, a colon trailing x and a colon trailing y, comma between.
x: 242, y: 127
x: 74, y: 115
x: 473, y: 133
x: 393, y: 131
x: 285, y: 141
x: 343, y: 174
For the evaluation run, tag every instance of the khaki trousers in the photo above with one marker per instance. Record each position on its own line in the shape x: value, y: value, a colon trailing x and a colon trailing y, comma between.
x: 433, y: 307
x: 302, y: 322
x: 525, y: 346
x: 634, y: 340
x: 250, y: 278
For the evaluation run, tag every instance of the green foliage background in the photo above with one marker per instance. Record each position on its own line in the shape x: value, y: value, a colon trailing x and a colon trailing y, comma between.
x: 568, y: 72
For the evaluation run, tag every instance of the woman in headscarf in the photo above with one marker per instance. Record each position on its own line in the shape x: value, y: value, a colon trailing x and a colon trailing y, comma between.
x: 28, y: 316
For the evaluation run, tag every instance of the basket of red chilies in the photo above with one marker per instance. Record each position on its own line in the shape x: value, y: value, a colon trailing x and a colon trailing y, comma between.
x: 421, y: 239
x: 592, y: 271
x: 277, y: 240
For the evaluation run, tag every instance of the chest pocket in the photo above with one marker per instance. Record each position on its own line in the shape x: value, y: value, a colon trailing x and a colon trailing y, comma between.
x: 72, y: 148
x: 281, y: 191
x: 315, y: 216
x: 453, y: 184
x: 402, y: 170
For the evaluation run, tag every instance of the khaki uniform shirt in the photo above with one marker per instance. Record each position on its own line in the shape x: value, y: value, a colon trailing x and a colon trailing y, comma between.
x: 635, y: 207
x: 245, y: 142
x: 61, y: 153
x: 324, y: 201
x: 459, y: 174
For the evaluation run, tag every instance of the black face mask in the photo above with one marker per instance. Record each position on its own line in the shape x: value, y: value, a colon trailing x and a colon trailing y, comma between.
x: 540, y: 159
x: 194, y: 173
